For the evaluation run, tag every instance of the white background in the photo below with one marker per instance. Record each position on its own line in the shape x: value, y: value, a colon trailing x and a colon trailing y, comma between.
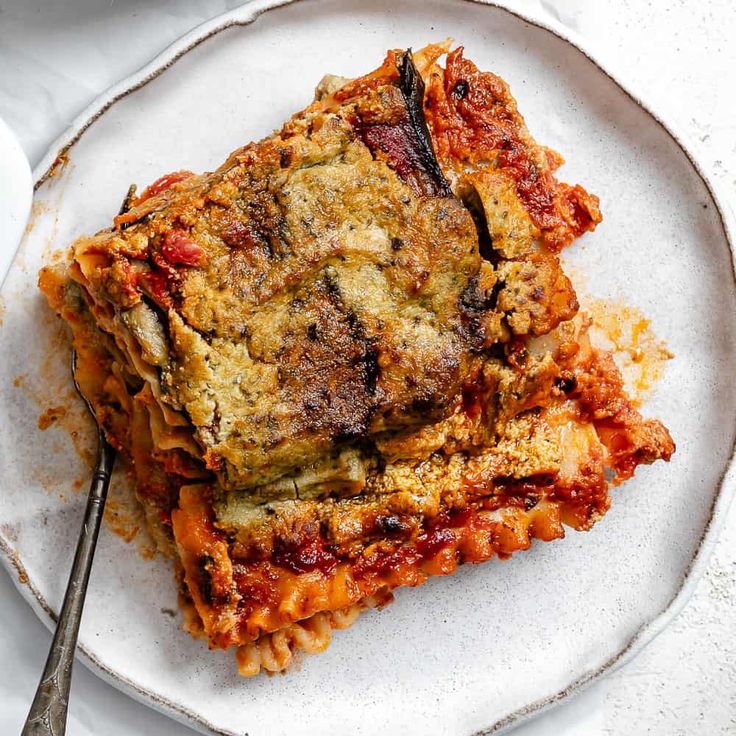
x: 680, y: 57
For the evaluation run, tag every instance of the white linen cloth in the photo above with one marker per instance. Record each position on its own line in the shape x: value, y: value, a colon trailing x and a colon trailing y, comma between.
x: 678, y: 55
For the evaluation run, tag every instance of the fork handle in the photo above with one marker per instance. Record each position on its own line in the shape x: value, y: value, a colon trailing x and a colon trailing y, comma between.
x: 47, y: 716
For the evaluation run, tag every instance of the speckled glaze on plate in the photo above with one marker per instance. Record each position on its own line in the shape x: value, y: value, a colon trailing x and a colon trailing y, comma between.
x: 494, y: 644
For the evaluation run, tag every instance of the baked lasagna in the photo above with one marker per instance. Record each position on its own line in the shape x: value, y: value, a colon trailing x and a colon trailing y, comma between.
x: 349, y: 358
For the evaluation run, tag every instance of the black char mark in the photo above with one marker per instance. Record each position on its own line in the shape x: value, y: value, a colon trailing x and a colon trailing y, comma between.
x: 473, y: 203
x: 332, y: 366
x: 474, y: 306
x: 412, y: 87
x: 407, y: 144
x: 125, y: 206
x: 129, y: 197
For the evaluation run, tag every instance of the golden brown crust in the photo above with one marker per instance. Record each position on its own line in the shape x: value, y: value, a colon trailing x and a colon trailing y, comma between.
x: 383, y: 383
x: 313, y: 289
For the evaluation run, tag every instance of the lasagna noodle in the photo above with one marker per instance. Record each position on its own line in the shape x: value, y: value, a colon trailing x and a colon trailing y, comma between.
x: 533, y: 420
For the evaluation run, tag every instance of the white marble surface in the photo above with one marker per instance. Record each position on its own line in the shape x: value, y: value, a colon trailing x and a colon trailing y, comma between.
x: 678, y: 56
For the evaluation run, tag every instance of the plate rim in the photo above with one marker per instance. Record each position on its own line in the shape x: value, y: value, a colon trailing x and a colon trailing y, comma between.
x: 54, y: 160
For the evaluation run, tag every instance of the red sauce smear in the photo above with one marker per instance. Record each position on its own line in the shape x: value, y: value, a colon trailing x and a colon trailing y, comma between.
x: 431, y: 543
x: 179, y: 248
x: 397, y: 143
x: 472, y: 395
x: 162, y: 184
x: 310, y: 555
x: 472, y: 115
x: 256, y: 584
x: 157, y: 284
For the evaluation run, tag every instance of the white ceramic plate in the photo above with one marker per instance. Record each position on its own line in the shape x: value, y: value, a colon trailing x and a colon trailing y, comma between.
x: 481, y: 650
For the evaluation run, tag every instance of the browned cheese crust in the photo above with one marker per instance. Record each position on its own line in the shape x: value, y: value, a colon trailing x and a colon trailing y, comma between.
x: 350, y: 358
x: 321, y: 286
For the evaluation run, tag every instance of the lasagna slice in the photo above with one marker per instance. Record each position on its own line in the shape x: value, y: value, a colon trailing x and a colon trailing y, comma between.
x: 349, y: 358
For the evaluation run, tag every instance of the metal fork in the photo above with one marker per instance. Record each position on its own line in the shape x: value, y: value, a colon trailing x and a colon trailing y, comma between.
x: 47, y: 716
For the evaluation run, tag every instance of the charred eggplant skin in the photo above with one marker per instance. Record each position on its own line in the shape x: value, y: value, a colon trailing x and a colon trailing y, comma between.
x: 412, y: 88
x: 403, y: 137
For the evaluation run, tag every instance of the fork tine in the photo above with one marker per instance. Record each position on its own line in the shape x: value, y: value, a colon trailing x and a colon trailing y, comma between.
x: 78, y: 389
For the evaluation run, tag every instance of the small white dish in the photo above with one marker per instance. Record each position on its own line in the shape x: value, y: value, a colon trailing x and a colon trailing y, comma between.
x: 16, y: 192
